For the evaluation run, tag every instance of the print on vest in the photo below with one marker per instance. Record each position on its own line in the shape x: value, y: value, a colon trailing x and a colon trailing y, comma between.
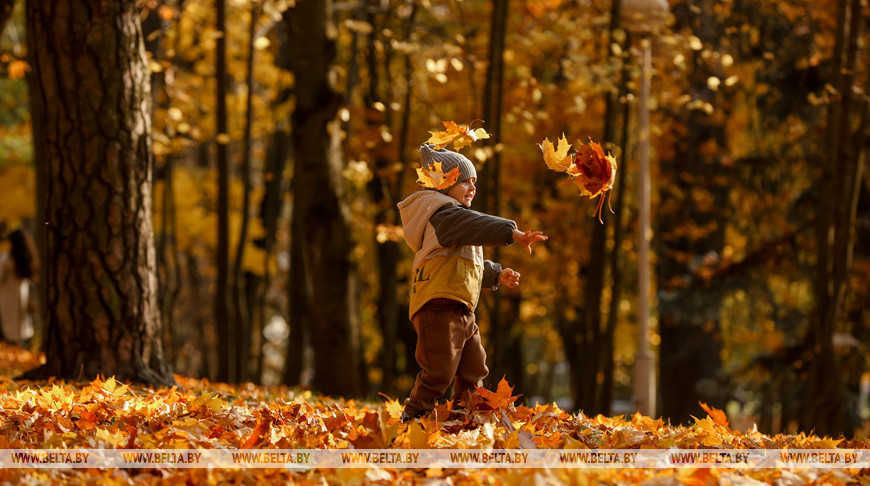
x: 418, y: 277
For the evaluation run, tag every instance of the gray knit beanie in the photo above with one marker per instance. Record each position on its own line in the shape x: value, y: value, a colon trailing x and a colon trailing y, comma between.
x: 449, y: 160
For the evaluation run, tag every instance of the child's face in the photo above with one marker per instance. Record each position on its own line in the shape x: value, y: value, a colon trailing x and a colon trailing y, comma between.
x: 463, y: 191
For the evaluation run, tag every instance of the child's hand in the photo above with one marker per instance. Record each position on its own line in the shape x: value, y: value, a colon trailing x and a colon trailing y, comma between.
x: 509, y: 277
x: 526, y: 239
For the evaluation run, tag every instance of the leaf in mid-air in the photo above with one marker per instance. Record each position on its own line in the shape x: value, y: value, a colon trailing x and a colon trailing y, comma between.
x: 557, y: 158
x: 595, y: 169
x: 459, y: 135
x: 589, y: 167
x: 434, y: 178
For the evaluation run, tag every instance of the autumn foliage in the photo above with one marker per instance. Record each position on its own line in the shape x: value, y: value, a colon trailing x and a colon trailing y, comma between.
x: 592, y: 170
x: 104, y: 413
x: 458, y: 135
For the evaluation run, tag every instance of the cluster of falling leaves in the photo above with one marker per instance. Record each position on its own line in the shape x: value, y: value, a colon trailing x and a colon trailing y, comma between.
x: 197, y: 414
x: 589, y: 167
x: 433, y: 176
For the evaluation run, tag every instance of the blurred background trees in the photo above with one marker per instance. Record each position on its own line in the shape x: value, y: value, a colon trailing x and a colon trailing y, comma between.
x: 760, y: 207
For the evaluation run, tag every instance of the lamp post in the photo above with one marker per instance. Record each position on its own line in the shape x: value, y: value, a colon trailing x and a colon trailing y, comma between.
x: 645, y: 18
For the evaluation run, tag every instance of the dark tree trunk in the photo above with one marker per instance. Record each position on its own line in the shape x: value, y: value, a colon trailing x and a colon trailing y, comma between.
x: 92, y: 131
x: 838, y: 192
x: 299, y: 319
x: 225, y: 335
x: 590, y: 340
x: 383, y: 190
x: 605, y: 395
x: 270, y: 207
x: 241, y: 304
x: 319, y: 207
x: 489, y: 197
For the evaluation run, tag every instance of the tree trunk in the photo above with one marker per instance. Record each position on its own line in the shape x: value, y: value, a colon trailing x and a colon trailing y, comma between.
x: 592, y: 342
x: 838, y: 192
x: 241, y: 304
x: 488, y: 185
x: 92, y: 132
x: 384, y: 194
x: 273, y: 200
x: 318, y: 198
x: 605, y: 395
x: 225, y: 335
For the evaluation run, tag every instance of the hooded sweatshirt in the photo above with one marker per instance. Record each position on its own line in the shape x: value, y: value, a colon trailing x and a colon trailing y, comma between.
x: 447, y: 238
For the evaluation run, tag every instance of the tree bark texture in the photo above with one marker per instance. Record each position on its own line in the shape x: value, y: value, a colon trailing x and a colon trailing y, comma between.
x: 318, y: 198
x: 92, y: 126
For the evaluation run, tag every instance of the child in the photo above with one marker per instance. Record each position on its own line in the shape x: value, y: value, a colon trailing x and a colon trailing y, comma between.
x: 449, y: 272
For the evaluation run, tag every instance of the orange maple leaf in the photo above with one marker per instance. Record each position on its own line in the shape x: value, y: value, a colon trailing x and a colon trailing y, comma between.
x: 590, y: 168
x: 458, y: 135
x: 595, y: 170
x: 717, y: 415
x: 501, y: 398
x: 433, y: 177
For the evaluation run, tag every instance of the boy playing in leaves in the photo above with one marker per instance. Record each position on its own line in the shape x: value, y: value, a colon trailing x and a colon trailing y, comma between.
x: 449, y: 272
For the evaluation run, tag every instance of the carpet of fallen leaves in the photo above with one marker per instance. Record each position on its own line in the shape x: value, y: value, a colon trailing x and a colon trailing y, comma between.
x: 198, y: 414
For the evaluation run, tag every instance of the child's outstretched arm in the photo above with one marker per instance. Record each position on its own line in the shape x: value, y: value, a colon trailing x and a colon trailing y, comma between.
x: 527, y: 238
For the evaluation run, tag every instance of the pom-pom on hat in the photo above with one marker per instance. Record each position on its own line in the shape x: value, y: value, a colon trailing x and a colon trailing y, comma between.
x: 449, y: 161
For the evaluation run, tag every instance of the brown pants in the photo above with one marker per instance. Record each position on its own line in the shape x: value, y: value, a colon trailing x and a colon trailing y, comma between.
x: 448, y: 347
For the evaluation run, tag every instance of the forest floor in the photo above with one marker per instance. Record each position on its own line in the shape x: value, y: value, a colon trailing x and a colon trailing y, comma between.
x: 57, y: 421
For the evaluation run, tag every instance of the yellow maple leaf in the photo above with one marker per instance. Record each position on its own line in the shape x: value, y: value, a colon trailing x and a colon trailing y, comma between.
x: 433, y: 177
x: 459, y: 135
x: 557, y: 158
x: 393, y: 407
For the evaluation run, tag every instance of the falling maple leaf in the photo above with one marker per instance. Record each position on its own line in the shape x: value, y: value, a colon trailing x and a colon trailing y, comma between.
x: 433, y: 177
x: 589, y: 167
x: 557, y: 159
x: 459, y: 135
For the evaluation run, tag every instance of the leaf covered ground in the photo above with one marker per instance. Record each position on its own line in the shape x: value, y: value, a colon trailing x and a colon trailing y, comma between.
x: 104, y: 413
